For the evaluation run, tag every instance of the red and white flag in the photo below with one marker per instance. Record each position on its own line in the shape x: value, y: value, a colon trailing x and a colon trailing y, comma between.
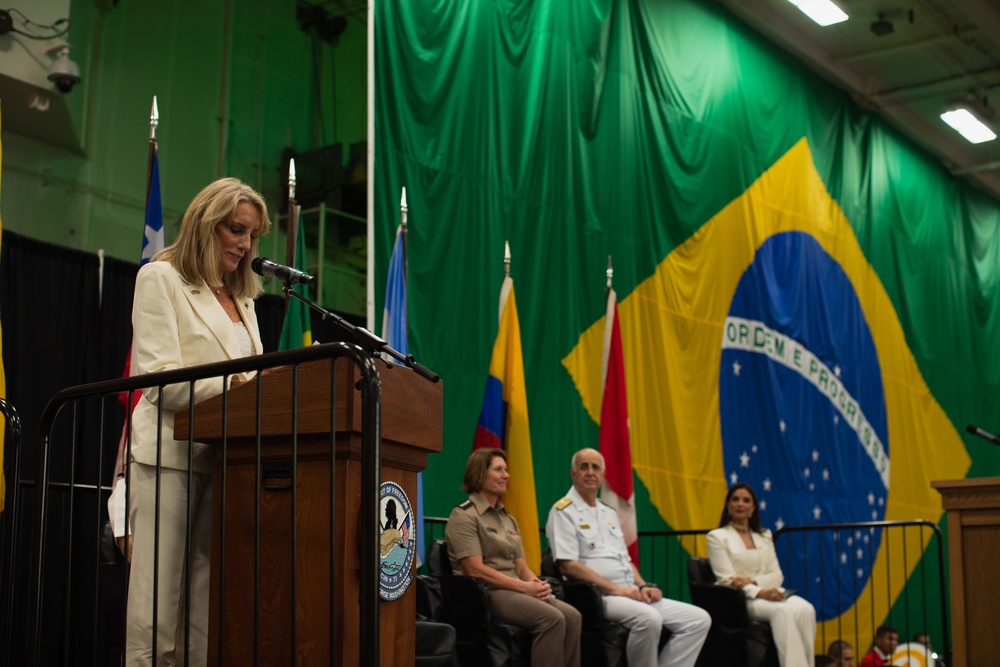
x: 618, y: 490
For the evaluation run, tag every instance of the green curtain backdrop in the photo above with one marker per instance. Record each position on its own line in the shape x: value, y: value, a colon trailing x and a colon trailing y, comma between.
x: 578, y: 130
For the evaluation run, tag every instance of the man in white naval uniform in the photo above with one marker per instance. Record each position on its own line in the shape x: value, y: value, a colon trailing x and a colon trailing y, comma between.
x: 587, y: 544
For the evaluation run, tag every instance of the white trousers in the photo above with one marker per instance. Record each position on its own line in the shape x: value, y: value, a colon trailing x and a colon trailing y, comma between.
x: 688, y: 626
x: 793, y: 625
x: 172, y: 586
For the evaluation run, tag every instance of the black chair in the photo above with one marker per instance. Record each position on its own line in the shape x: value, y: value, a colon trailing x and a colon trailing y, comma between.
x: 602, y: 641
x: 465, y: 605
x: 435, y: 641
x: 734, y: 639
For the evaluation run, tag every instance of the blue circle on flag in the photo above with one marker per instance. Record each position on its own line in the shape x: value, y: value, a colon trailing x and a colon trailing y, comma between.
x: 803, y: 416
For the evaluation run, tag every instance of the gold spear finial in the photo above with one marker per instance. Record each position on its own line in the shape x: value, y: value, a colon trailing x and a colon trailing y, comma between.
x: 506, y: 258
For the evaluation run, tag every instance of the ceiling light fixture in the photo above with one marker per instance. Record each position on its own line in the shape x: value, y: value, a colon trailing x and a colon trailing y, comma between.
x: 970, y: 127
x: 823, y: 12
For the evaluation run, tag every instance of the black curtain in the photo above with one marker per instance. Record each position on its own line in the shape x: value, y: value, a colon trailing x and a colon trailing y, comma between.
x: 50, y: 315
x: 66, y: 319
x: 52, y: 321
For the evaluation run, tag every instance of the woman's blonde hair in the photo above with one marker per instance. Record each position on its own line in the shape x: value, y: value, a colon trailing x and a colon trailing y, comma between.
x: 196, y: 252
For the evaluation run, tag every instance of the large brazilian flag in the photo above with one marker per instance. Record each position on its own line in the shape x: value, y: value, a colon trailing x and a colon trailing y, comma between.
x: 812, y: 383
x: 808, y: 301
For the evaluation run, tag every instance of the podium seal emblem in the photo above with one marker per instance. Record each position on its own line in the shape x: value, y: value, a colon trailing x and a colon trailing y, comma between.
x: 396, y: 541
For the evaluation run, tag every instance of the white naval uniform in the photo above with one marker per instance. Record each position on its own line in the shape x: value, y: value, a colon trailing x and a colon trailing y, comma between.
x: 593, y: 537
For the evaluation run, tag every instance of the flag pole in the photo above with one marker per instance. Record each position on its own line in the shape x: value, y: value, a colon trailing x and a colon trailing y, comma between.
x: 403, y: 208
x: 402, y: 223
x: 152, y: 242
x: 293, y: 216
x: 614, y: 443
x: 419, y: 516
x: 154, y: 121
x: 506, y: 259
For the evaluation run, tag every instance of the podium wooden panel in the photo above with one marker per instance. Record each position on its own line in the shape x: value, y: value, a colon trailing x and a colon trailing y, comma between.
x: 325, y: 624
x: 973, y: 507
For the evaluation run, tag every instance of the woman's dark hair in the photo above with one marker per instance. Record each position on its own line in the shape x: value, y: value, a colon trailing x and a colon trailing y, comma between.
x: 754, y: 518
x: 477, y: 466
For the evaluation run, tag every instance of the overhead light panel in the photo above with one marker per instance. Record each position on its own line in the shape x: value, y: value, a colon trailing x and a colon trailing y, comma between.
x: 822, y: 12
x: 970, y: 127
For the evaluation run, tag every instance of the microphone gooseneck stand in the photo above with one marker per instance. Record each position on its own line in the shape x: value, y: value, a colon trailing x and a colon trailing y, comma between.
x: 368, y: 341
x: 985, y: 435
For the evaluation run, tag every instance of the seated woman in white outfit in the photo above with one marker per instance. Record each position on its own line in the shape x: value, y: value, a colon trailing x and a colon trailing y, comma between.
x: 742, y: 556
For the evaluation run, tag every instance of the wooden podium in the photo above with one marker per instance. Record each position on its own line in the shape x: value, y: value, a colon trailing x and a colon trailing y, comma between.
x: 973, y: 507
x: 315, y: 620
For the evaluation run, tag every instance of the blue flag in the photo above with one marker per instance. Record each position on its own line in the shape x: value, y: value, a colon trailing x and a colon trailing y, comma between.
x: 394, y: 315
x: 394, y: 333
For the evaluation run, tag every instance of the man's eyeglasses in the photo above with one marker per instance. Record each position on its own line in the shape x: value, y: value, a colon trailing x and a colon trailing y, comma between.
x: 584, y: 467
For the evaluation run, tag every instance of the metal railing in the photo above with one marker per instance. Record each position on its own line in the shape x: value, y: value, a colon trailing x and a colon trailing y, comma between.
x: 9, y: 522
x: 886, y: 598
x: 904, y: 566
x: 66, y: 603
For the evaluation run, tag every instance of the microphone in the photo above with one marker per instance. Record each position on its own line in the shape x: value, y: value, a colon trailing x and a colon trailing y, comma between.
x: 975, y: 430
x: 264, y: 267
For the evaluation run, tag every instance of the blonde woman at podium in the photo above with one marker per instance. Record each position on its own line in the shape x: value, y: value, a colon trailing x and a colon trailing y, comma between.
x: 193, y: 305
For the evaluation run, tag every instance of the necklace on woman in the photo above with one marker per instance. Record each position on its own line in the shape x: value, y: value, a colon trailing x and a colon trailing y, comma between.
x: 219, y: 290
x: 742, y: 530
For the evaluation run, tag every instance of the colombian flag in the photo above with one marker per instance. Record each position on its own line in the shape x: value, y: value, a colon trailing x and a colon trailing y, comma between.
x: 785, y: 367
x: 503, y: 423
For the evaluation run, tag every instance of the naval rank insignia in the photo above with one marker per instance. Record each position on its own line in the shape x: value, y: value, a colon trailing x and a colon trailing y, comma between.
x: 396, y: 541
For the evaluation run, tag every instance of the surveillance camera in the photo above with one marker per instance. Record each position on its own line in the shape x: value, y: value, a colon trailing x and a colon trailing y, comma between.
x: 64, y: 73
